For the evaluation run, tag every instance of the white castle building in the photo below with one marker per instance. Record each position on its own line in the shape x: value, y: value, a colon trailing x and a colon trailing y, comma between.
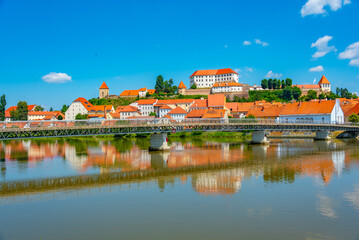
x: 207, y: 78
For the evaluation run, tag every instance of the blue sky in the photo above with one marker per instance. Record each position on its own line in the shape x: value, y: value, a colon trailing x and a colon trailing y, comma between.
x: 128, y: 43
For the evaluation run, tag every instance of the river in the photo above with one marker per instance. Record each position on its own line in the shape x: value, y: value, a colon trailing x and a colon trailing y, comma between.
x: 105, y: 188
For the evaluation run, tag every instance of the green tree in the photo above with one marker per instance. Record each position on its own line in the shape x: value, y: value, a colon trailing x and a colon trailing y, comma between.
x: 20, y: 114
x: 288, y: 82
x: 270, y: 83
x: 159, y: 84
x: 250, y: 116
x: 264, y: 84
x: 275, y: 84
x: 64, y: 108
x: 60, y: 117
x: 321, y: 96
x: 39, y: 108
x: 283, y: 84
x: 311, y: 95
x: 353, y: 118
x: 152, y: 114
x: 194, y: 86
x: 2, y: 107
x: 80, y: 116
x: 296, y: 92
x: 288, y: 94
x: 51, y: 109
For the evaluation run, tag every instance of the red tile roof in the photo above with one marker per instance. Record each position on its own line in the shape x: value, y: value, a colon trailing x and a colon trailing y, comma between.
x: 216, y: 100
x: 200, y: 103
x: 308, y: 86
x: 266, y: 111
x: 213, y: 72
x: 197, y: 113
x: 165, y: 107
x: 352, y: 110
x: 126, y: 109
x: 101, y: 108
x: 89, y: 107
x: 324, y: 80
x: 177, y: 110
x: 226, y: 84
x: 146, y: 101
x: 13, y: 108
x: 130, y: 93
x: 103, y: 86
x: 181, y: 85
x: 315, y: 107
x: 215, y: 113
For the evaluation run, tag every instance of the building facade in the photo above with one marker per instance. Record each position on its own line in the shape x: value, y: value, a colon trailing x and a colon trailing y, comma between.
x: 207, y: 78
x: 104, y: 91
x: 227, y: 87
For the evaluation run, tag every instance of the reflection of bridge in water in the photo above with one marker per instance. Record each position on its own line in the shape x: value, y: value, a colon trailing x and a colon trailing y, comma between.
x: 208, y: 177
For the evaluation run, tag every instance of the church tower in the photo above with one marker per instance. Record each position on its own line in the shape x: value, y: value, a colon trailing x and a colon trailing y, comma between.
x: 324, y: 84
x: 182, y: 89
x: 104, y: 91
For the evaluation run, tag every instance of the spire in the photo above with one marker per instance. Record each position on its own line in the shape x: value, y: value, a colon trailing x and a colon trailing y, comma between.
x: 104, y: 86
x: 324, y: 80
x: 181, y: 85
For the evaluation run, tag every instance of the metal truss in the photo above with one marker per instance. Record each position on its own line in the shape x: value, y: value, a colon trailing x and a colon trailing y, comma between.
x: 16, y: 133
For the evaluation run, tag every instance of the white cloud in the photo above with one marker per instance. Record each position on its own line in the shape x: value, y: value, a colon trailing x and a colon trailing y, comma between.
x: 246, y: 69
x: 322, y: 47
x: 247, y: 43
x: 353, y: 197
x: 56, y: 78
x: 317, y: 69
x: 352, y: 53
x: 271, y: 74
x: 238, y: 70
x: 314, y: 7
x: 259, y: 42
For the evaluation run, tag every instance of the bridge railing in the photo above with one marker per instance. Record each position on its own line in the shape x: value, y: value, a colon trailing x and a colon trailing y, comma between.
x: 151, y: 121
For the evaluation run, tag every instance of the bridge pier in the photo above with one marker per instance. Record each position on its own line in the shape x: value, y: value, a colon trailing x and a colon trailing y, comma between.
x: 159, y: 142
x: 322, y: 135
x: 259, y: 137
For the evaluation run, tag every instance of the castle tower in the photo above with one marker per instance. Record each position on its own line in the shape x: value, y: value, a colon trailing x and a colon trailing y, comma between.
x: 324, y: 84
x: 182, y: 89
x: 104, y: 91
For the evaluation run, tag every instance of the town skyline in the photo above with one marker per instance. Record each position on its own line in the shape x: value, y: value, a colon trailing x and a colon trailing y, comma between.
x: 51, y: 59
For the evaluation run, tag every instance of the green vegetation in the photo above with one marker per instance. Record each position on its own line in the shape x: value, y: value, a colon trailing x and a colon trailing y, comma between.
x: 2, y: 107
x: 80, y: 116
x: 64, y: 108
x: 207, y: 135
x: 59, y: 117
x: 284, y: 95
x: 194, y: 86
x: 276, y: 83
x: 344, y: 93
x: 114, y: 102
x: 20, y: 114
x: 38, y: 108
x: 165, y: 87
x: 354, y: 118
x: 152, y: 114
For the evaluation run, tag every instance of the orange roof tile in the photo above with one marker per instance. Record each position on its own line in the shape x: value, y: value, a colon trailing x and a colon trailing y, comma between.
x: 232, y: 106
x: 146, y: 101
x: 213, y: 72
x: 324, y: 80
x: 151, y: 91
x: 177, y: 110
x: 315, y: 107
x: 115, y: 115
x: 244, y: 107
x: 216, y: 100
x: 182, y: 101
x: 226, y: 84
x: 130, y: 93
x: 181, y: 85
x: 13, y: 108
x: 197, y: 113
x: 352, y: 110
x: 266, y: 111
x: 101, y: 108
x: 104, y: 86
x: 127, y: 109
x: 142, y: 89
x: 215, y: 113
x: 200, y: 103
x: 308, y: 86
x: 89, y: 107
x: 165, y: 107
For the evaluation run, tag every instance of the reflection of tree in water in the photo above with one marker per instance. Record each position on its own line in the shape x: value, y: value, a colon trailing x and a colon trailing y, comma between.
x: 81, y: 145
x: 143, y: 143
x: 122, y: 144
x: 279, y: 173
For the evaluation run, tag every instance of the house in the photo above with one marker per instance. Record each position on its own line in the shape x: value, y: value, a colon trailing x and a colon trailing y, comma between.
x: 104, y: 91
x: 164, y: 110
x: 323, y: 86
x: 177, y: 114
x: 207, y: 78
x: 30, y: 108
x: 217, y: 101
x: 227, y: 87
x: 199, y: 104
x: 196, y: 113
x: 82, y: 106
x: 145, y: 106
x: 215, y: 114
x: 124, y: 112
x: 142, y: 92
x: 267, y: 111
x: 323, y: 111
x: 44, y: 115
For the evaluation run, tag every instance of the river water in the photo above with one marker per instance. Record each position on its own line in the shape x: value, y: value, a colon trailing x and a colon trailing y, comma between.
x: 116, y: 189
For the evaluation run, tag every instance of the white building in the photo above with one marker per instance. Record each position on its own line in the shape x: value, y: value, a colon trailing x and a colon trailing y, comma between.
x: 227, y: 87
x: 177, y: 114
x: 319, y: 111
x: 145, y: 106
x: 164, y: 110
x: 207, y: 78
x: 80, y: 105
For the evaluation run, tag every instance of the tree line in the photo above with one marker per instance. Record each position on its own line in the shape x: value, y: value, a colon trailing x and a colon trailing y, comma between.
x: 165, y: 87
x: 276, y: 83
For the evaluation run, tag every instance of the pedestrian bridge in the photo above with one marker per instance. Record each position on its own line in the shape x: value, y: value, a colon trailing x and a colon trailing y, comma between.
x: 160, y: 128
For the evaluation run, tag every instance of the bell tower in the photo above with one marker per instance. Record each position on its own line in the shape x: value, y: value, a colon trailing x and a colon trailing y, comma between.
x: 104, y: 91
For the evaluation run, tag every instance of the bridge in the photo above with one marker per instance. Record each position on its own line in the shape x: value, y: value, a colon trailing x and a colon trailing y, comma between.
x: 160, y: 127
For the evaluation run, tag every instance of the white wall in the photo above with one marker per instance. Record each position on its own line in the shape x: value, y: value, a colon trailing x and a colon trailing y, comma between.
x: 74, y: 109
x: 207, y: 81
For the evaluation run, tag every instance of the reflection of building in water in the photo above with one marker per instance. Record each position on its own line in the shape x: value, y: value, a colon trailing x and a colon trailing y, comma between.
x: 338, y: 158
x: 76, y: 160
x: 222, y: 182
